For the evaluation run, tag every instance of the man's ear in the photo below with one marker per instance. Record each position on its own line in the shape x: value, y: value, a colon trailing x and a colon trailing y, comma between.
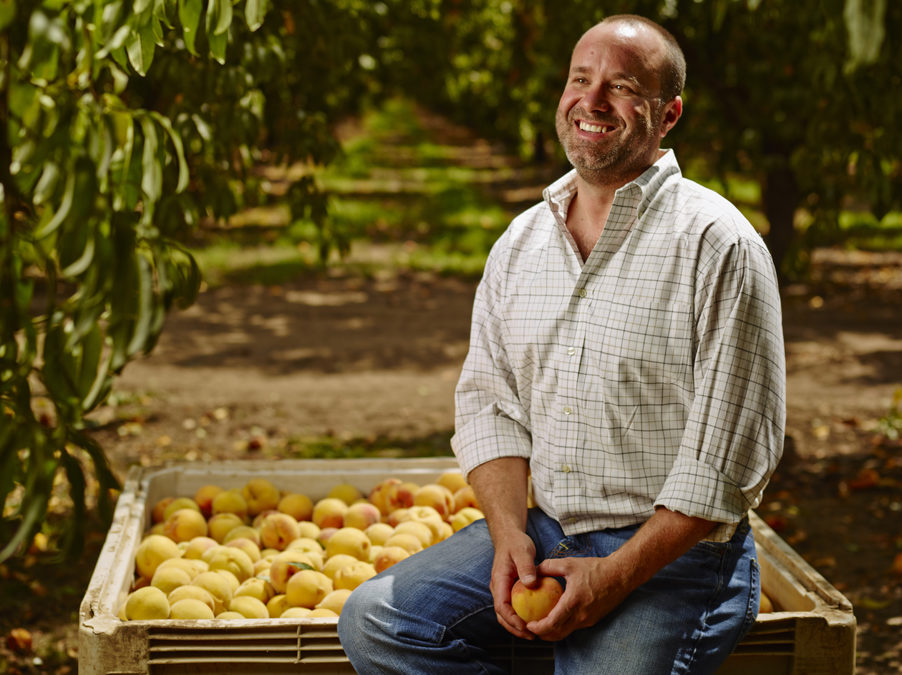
x: 672, y: 112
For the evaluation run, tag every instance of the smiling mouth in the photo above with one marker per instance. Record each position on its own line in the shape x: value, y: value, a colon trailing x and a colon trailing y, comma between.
x: 595, y: 128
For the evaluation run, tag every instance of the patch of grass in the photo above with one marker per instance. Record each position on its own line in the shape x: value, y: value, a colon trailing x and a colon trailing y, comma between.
x: 331, y: 447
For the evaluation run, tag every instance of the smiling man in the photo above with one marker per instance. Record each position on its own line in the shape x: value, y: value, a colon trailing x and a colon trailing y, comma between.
x: 626, y: 358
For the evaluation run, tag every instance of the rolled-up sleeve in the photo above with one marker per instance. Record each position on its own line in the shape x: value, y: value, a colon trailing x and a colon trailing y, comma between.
x: 490, y: 421
x: 734, y: 435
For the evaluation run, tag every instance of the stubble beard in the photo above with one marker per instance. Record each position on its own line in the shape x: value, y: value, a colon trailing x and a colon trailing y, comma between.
x: 615, y: 164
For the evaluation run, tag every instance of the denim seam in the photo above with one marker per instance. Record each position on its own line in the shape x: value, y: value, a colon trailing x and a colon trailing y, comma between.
x: 463, y: 645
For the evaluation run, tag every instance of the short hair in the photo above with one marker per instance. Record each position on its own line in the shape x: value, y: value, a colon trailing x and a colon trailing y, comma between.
x: 673, y: 75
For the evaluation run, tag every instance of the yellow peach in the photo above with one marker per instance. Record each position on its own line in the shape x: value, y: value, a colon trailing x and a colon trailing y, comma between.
x: 153, y: 550
x: 147, y: 604
x: 307, y: 588
x: 248, y: 607
x: 351, y: 541
x: 296, y: 505
x: 388, y: 556
x: 190, y: 609
x: 329, y: 512
x: 260, y: 495
x: 184, y: 525
x: 532, y: 604
x: 278, y: 529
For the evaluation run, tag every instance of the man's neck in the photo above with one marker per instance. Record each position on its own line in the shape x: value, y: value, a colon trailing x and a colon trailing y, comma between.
x: 588, y: 213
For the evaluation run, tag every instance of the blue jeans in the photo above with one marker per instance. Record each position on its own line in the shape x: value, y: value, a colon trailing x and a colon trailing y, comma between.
x: 433, y: 613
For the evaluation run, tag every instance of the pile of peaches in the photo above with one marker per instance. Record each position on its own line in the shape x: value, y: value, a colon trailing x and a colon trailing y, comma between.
x: 258, y: 552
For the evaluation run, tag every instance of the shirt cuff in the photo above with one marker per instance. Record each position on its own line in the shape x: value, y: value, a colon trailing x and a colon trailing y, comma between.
x: 487, y: 436
x: 699, y: 490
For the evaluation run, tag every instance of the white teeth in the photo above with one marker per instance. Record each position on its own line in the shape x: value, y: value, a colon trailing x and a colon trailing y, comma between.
x: 594, y: 128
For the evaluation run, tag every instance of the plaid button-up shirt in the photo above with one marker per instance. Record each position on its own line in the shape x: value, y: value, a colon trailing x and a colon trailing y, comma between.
x: 651, y: 374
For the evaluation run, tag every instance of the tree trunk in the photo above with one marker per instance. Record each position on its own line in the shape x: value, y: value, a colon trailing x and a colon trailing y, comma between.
x: 780, y: 199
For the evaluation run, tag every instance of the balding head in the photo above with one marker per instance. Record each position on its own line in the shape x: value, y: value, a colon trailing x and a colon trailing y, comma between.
x: 672, y: 66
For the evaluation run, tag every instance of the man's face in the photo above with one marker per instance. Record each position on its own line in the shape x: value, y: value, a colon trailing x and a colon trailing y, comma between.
x: 610, y: 118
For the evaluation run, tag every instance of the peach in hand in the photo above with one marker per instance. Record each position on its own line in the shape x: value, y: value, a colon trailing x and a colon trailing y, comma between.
x: 532, y: 604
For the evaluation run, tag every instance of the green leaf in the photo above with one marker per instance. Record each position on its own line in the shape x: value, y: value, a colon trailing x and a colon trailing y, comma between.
x: 7, y: 12
x: 218, y: 44
x: 219, y: 16
x: 140, y: 48
x: 184, y: 173
x: 255, y: 13
x: 142, y: 336
x: 152, y: 172
x: 84, y: 261
x: 62, y: 212
x: 189, y: 15
x: 47, y: 183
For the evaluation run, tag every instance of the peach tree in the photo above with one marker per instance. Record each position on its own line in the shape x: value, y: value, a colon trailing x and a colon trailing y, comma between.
x: 125, y: 123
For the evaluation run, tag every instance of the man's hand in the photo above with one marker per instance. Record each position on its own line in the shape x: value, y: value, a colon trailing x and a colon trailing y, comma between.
x: 594, y: 587
x: 514, y: 559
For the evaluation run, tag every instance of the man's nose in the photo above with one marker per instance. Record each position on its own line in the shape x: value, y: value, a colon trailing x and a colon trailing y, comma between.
x: 596, y: 98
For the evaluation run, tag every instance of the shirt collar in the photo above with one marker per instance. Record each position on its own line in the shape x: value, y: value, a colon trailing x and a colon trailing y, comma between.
x: 559, y: 194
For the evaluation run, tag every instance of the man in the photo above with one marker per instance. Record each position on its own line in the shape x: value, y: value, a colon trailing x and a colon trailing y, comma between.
x: 626, y: 355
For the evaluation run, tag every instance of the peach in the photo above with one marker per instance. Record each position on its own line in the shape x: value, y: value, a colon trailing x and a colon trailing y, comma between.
x: 465, y: 516
x: 379, y: 532
x: 232, y: 560
x: 197, y: 546
x: 427, y: 515
x: 453, y: 480
x: 329, y: 512
x: 322, y: 613
x: 260, y: 495
x: 192, y: 592
x: 255, y: 587
x: 295, y: 613
x: 309, y: 529
x: 407, y: 541
x: 221, y: 524
x: 147, y: 604
x: 248, y: 607
x: 179, y: 503
x: 190, y: 609
x: 397, y: 516
x: 307, y: 588
x: 230, y: 616
x: 156, y: 513
x: 351, y: 541
x: 336, y: 562
x: 185, y: 525
x: 296, y: 505
x: 278, y: 529
x: 153, y: 550
x: 305, y: 544
x: 380, y: 495
x: 204, y: 498
x: 352, y: 575
x: 388, y: 556
x: 287, y: 564
x: 345, y: 492
x: 243, y: 532
x: 418, y: 529
x: 277, y: 605
x: 167, y: 579
x: 437, y: 496
x: 217, y: 586
x: 532, y: 604
x: 334, y: 601
x: 465, y: 497
x: 192, y: 566
x: 361, y: 515
x: 246, y: 545
x: 230, y: 501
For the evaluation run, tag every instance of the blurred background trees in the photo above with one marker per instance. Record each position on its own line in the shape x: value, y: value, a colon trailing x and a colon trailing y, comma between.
x: 128, y: 125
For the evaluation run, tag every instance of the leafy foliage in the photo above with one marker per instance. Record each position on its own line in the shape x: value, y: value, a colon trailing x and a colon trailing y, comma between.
x: 125, y: 124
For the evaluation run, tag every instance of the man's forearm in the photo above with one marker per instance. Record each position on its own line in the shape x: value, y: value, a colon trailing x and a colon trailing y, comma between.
x: 501, y: 490
x: 662, y: 539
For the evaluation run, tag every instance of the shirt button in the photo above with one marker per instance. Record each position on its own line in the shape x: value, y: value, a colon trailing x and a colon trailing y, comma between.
x: 571, y: 351
x: 582, y: 292
x: 567, y: 410
x: 565, y: 468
